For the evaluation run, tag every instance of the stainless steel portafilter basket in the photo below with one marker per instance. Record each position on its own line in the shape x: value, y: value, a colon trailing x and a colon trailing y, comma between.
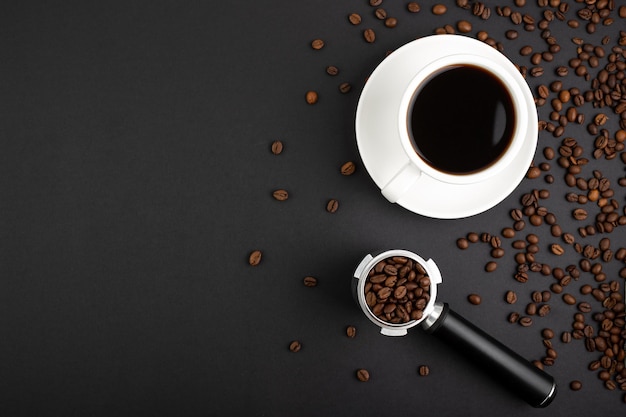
x: 524, y: 379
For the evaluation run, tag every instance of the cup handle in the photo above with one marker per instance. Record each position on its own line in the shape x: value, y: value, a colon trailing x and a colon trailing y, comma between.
x: 401, y: 182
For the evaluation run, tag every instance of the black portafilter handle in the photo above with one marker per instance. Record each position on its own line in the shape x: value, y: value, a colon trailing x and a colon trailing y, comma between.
x: 520, y: 376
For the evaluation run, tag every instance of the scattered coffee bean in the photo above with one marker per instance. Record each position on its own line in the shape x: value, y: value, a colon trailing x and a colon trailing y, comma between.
x: 575, y: 385
x: 462, y: 243
x: 413, y: 7
x: 317, y: 44
x: 439, y: 9
x: 511, y: 34
x: 348, y: 168
x: 255, y: 257
x: 295, y: 346
x: 526, y: 50
x: 391, y: 22
x: 311, y: 97
x: 280, y: 195
x: 569, y: 299
x: 369, y: 35
x: 363, y: 375
x: 277, y: 147
x: 579, y: 214
x: 424, y: 370
x: 351, y: 332
x: 380, y: 13
x: 566, y: 337
x: 354, y: 18
x: 474, y: 299
x: 525, y: 321
x: 309, y: 281
x: 491, y: 266
x: 511, y: 297
x: 557, y: 249
x: 464, y: 26
x: 509, y: 232
x: 332, y: 206
x: 345, y: 87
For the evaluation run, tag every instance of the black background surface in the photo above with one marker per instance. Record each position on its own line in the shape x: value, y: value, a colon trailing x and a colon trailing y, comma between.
x: 136, y: 177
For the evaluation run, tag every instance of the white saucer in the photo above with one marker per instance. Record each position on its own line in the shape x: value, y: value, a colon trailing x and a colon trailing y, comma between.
x: 380, y: 150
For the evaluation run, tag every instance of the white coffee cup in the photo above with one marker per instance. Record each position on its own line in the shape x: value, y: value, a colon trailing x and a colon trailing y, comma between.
x: 393, y: 161
x: 417, y: 166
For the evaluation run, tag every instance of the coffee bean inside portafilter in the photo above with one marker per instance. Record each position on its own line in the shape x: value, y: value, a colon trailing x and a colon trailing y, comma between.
x: 397, y: 290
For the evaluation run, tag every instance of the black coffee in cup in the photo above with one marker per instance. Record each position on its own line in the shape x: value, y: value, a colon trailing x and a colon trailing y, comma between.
x: 461, y: 119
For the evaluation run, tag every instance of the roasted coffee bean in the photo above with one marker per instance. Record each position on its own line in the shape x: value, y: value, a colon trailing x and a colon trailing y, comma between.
x: 526, y: 50
x: 391, y: 22
x: 462, y: 243
x: 277, y: 147
x: 569, y: 299
x: 354, y: 18
x: 423, y: 370
x: 348, y: 168
x: 575, y: 385
x: 439, y: 9
x: 511, y: 297
x: 255, y: 257
x: 399, y: 290
x: 511, y: 34
x: 566, y: 337
x: 474, y: 237
x: 579, y: 214
x: 561, y: 71
x: 363, y: 375
x: 464, y: 26
x: 519, y: 244
x: 557, y: 249
x: 413, y: 7
x: 525, y: 321
x: 369, y: 35
x: 513, y: 317
x: 280, y: 195
x: 474, y: 299
x: 295, y: 346
x: 509, y: 232
x: 351, y: 332
x: 491, y: 266
x: 311, y: 97
x: 317, y: 44
x: 380, y: 13
x: 332, y: 206
x: 391, y: 272
x: 309, y: 281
